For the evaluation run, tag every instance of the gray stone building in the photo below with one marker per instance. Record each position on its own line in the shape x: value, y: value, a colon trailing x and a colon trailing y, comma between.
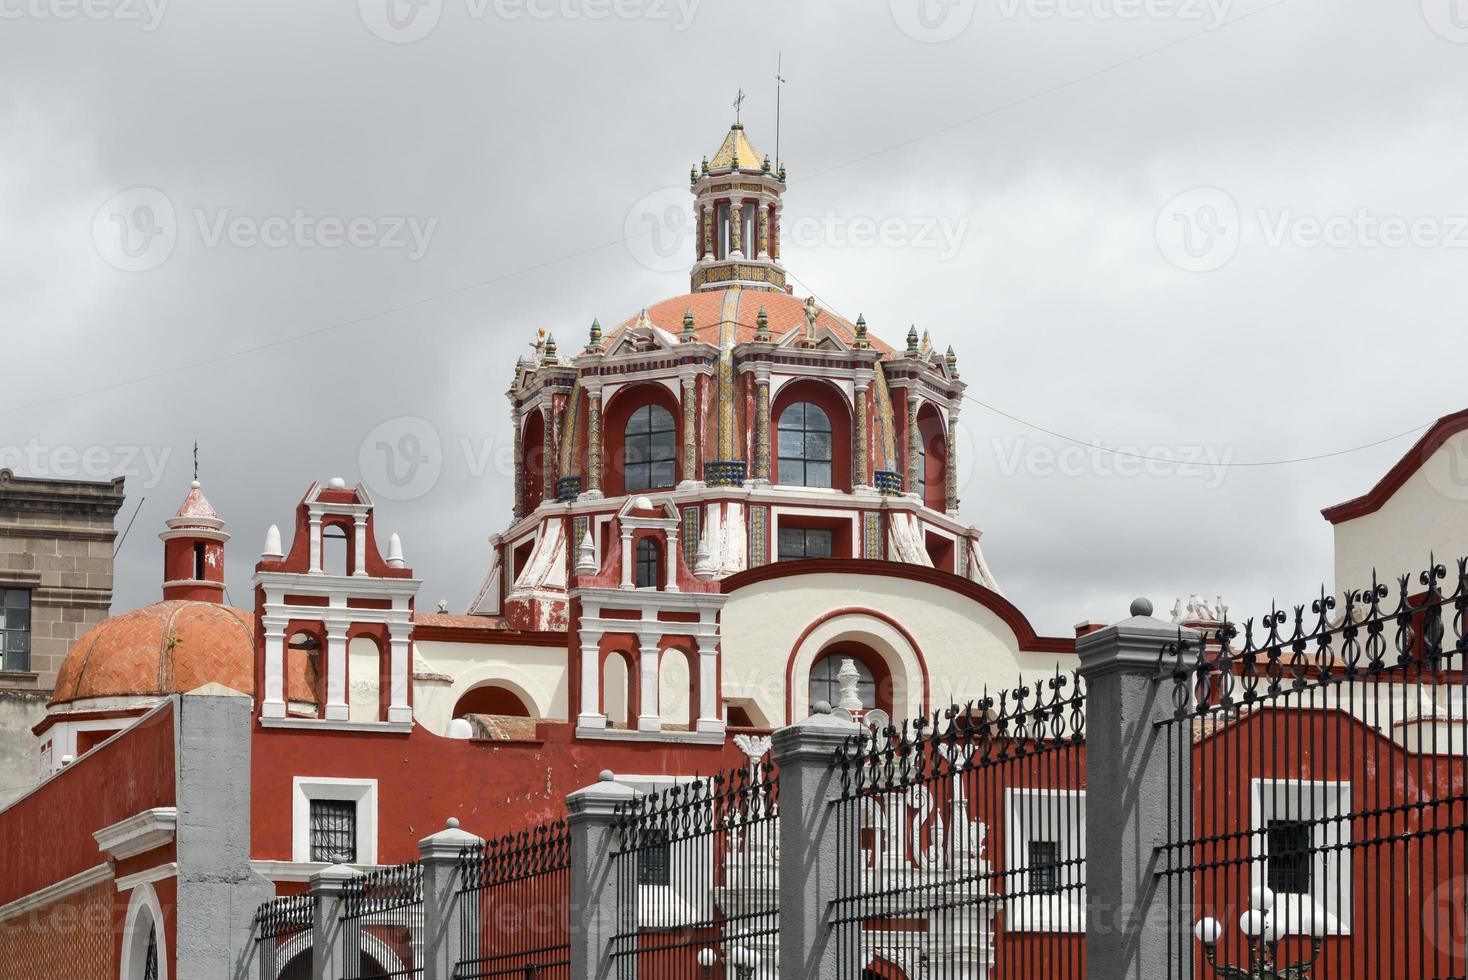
x: 56, y: 543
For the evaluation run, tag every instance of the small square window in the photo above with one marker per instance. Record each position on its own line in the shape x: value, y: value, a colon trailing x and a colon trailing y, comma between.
x: 1044, y: 861
x: 1289, y: 857
x: 800, y: 542
x: 334, y: 831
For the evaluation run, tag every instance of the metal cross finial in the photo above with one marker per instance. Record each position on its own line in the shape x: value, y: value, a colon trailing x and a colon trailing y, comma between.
x: 196, y: 459
x: 738, y: 106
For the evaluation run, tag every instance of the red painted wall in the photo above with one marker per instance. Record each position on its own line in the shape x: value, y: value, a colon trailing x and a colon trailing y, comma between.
x: 132, y: 773
x: 494, y: 788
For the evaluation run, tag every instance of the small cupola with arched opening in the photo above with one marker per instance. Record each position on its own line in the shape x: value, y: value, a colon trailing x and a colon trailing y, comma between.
x: 193, y: 551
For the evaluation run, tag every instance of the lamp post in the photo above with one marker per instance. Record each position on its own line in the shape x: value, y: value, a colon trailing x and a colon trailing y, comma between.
x: 707, y: 957
x: 1265, y: 927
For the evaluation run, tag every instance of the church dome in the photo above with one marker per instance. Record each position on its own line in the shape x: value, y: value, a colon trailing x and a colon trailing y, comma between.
x: 732, y: 316
x: 169, y: 647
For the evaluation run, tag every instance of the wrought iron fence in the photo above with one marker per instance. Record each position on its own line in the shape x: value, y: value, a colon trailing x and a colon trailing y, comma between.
x: 514, y: 906
x: 962, y: 841
x: 697, y: 879
x: 283, y: 937
x: 1318, y: 764
x: 382, y: 924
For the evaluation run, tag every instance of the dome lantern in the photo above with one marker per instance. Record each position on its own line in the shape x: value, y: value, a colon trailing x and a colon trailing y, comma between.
x: 737, y: 203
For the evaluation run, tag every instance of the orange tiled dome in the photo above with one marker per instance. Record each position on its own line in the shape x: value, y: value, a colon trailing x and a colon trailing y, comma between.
x: 168, y: 647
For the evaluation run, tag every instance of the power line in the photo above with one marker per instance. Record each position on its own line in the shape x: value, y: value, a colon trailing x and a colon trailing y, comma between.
x: 1101, y: 447
x: 422, y: 301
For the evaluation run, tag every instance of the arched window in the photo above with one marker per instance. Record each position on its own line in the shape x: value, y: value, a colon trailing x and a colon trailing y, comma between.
x: 650, y: 448
x: 143, y: 938
x: 649, y: 562
x: 826, y: 686
x: 804, y: 434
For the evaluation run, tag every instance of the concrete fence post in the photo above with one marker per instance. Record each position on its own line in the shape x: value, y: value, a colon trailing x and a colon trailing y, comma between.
x: 447, y: 933
x: 329, y: 957
x: 810, y: 783
x: 590, y: 816
x: 1127, y: 797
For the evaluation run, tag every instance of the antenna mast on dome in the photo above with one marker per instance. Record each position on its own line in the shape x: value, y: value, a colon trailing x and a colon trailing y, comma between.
x: 779, y: 84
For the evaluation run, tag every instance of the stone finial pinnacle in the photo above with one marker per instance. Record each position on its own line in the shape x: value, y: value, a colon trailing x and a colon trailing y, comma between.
x: 1141, y: 607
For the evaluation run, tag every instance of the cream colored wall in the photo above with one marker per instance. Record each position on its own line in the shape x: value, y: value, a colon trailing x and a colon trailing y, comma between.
x: 536, y: 674
x: 364, y: 677
x: 965, y: 645
x: 1428, y: 514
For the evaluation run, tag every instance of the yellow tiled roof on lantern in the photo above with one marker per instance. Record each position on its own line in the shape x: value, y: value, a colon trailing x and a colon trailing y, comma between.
x: 737, y: 146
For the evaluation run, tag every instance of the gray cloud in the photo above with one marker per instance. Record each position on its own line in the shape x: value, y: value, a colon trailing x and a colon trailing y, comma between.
x: 1054, y: 141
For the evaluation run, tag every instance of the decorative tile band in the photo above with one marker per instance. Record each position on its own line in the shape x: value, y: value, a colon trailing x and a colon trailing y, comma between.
x: 759, y: 544
x: 568, y: 488
x: 871, y: 534
x: 724, y: 472
x: 691, y: 517
x: 888, y: 483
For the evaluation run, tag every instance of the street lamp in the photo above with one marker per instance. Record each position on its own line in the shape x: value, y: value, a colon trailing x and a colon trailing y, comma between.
x: 1265, y: 926
x: 744, y: 961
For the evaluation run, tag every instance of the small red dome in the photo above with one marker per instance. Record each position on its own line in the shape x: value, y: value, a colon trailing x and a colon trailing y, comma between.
x: 166, y: 648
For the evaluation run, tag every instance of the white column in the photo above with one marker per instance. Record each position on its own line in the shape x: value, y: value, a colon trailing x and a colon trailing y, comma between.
x: 627, y: 558
x: 316, y: 544
x: 336, y: 673
x: 671, y: 565
x: 359, y: 549
x: 273, y: 704
x: 648, y: 719
x: 592, y: 713
x: 708, y: 685
x: 400, y: 663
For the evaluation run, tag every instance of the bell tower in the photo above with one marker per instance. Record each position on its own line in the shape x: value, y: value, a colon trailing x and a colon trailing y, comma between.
x: 193, y: 551
x: 737, y: 212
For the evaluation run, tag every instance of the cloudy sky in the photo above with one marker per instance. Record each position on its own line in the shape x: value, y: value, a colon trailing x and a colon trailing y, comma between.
x: 1225, y: 231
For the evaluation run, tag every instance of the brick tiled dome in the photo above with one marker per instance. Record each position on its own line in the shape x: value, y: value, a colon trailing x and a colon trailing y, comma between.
x: 168, y: 647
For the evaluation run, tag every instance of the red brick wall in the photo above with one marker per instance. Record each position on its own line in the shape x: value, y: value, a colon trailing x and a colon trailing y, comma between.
x: 67, y: 940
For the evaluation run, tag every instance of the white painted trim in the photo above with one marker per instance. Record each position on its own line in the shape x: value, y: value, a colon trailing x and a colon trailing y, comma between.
x: 42, y: 897
x: 159, y: 873
x: 1299, y: 799
x: 632, y: 735
x: 135, y: 938
x: 363, y: 792
x: 777, y: 512
x: 339, y: 725
x: 1066, y: 910
x: 138, y: 833
x: 298, y: 870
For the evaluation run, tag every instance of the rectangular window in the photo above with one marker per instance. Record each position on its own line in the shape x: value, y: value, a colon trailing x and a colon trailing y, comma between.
x: 1044, y: 858
x: 801, y: 542
x: 15, y: 629
x: 334, y: 831
x: 654, y: 858
x: 1289, y: 857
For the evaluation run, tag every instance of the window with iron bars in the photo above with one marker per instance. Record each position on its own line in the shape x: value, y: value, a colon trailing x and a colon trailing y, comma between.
x: 1044, y: 858
x: 334, y: 831
x: 1289, y: 857
x: 654, y: 864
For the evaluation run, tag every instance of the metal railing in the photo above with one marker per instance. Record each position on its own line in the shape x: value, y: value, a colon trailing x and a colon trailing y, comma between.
x: 283, y: 936
x: 961, y: 840
x: 382, y: 924
x: 697, y: 879
x: 1318, y: 769
x: 514, y: 906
